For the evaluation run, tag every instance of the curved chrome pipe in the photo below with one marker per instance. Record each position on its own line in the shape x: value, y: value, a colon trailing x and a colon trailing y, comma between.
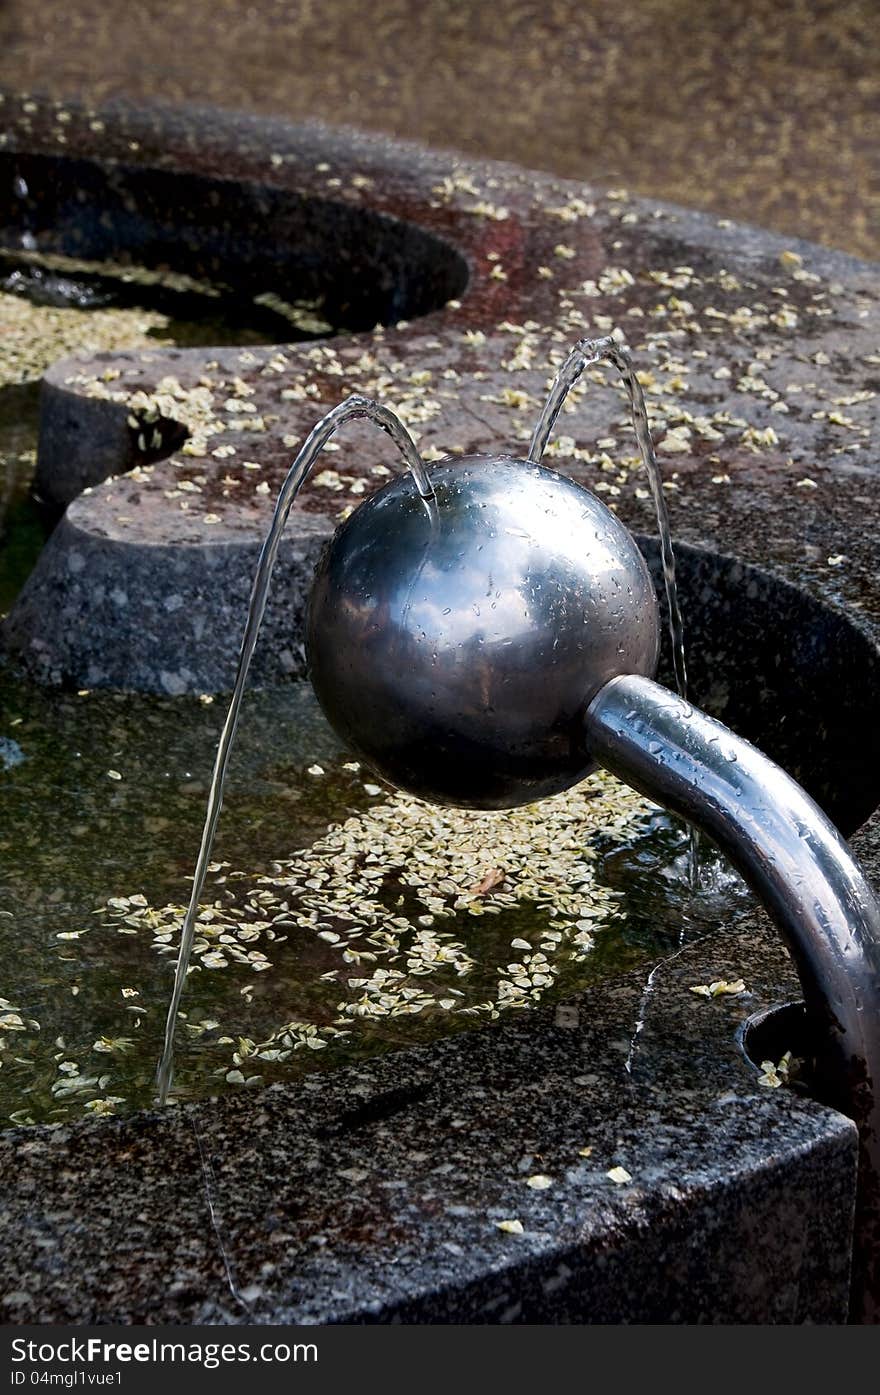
x: 809, y: 882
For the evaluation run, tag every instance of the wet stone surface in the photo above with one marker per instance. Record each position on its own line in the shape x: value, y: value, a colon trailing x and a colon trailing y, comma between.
x: 518, y: 1173
x: 406, y: 1189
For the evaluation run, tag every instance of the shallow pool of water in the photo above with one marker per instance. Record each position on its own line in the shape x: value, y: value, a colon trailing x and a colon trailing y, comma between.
x: 341, y: 919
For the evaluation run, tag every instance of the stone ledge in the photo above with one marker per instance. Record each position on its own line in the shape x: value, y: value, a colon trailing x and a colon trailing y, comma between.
x: 373, y: 1194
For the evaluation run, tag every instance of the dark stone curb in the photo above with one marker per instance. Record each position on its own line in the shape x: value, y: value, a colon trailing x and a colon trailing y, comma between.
x: 372, y: 1194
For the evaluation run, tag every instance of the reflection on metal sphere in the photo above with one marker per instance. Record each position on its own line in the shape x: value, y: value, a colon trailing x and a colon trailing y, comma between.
x: 455, y: 648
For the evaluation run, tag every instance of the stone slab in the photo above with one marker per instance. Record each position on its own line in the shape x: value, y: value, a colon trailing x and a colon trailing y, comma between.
x: 374, y: 1194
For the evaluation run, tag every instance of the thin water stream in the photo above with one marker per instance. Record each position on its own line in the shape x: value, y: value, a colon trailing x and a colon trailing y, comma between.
x: 584, y: 353
x: 348, y: 410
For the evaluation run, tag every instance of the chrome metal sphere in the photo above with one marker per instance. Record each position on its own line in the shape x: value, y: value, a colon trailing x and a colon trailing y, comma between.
x: 455, y: 648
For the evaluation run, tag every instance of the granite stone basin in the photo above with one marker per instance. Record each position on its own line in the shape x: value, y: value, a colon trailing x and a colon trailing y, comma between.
x: 385, y: 1191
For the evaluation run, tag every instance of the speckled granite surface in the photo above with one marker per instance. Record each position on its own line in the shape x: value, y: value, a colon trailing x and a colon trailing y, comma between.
x: 375, y: 1194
